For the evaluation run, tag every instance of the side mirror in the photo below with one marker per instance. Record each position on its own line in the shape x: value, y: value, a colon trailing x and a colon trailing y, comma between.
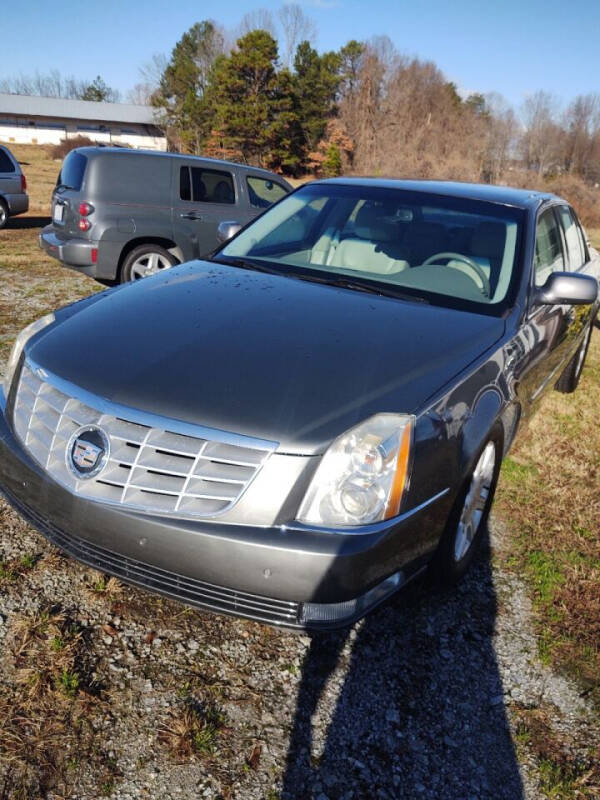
x: 226, y: 230
x: 567, y: 288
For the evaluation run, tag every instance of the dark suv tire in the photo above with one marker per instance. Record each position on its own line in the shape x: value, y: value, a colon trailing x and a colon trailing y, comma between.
x: 145, y: 260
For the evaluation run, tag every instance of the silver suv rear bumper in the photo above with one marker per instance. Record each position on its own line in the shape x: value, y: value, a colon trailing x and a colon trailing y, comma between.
x: 72, y: 252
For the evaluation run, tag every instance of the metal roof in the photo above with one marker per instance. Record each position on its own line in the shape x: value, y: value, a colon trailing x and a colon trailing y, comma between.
x: 505, y: 195
x: 17, y: 104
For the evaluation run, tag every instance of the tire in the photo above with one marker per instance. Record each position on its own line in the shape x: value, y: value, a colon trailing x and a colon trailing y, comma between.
x: 459, y: 542
x: 145, y: 260
x: 569, y: 380
x: 3, y: 214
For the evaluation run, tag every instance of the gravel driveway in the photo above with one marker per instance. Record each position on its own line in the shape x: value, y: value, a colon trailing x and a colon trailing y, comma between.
x: 108, y: 691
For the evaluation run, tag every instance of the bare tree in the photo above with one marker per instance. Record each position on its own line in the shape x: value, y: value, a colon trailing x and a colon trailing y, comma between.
x: 52, y: 84
x: 540, y: 142
x: 296, y: 27
x: 259, y: 20
x: 152, y: 71
x: 502, y: 132
x: 581, y: 125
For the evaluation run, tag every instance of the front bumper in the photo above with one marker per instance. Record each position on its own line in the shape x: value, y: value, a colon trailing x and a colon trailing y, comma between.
x: 72, y: 252
x: 290, y: 576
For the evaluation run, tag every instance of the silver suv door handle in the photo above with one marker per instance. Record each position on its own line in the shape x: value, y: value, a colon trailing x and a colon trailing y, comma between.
x: 191, y: 215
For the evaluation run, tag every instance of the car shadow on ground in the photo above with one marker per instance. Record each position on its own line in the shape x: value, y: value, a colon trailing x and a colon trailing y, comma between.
x: 25, y: 223
x: 420, y: 710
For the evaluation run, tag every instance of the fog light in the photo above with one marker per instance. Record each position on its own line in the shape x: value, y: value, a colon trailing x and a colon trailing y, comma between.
x: 332, y: 613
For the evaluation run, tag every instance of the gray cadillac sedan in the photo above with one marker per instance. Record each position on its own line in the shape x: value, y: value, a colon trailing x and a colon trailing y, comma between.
x: 293, y: 430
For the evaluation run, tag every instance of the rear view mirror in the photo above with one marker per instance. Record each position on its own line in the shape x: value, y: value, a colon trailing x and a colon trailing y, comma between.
x: 227, y: 230
x: 567, y: 288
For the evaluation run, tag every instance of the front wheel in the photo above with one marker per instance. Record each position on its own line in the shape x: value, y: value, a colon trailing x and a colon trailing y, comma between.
x: 468, y: 518
x: 146, y: 260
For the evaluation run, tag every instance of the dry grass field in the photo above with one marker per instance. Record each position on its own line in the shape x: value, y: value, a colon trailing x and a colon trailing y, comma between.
x: 549, y: 500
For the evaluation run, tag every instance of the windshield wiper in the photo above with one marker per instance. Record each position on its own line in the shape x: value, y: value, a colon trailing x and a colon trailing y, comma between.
x: 330, y: 279
x: 242, y: 263
x: 358, y: 286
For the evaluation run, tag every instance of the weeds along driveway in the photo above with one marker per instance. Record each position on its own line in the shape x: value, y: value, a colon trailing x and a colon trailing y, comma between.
x: 108, y: 691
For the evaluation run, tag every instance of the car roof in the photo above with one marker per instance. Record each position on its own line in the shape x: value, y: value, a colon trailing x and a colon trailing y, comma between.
x: 503, y: 195
x: 123, y: 151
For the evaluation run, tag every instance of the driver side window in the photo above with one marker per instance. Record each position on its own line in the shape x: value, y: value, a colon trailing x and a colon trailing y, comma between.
x: 548, y: 256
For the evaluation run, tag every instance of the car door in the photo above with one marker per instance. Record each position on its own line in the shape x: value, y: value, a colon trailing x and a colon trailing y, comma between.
x: 204, y: 197
x: 548, y: 329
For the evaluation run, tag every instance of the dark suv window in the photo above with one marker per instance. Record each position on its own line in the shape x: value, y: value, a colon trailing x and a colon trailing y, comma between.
x: 6, y: 165
x: 72, y: 171
x: 206, y: 185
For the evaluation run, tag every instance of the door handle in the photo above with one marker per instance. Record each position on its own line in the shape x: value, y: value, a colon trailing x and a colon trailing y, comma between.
x: 191, y: 215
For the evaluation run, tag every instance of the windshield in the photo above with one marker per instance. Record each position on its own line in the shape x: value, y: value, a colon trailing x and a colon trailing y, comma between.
x: 442, y: 249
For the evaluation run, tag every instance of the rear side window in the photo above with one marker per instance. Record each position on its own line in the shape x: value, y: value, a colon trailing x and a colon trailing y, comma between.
x: 263, y: 193
x: 573, y: 237
x: 72, y: 171
x: 206, y: 185
x: 6, y: 164
x: 548, y: 251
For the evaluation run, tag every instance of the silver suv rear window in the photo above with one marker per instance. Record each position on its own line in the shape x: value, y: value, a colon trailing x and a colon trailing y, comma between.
x: 72, y: 171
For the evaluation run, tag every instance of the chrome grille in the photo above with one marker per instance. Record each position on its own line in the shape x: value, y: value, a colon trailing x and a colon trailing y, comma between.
x: 148, y: 468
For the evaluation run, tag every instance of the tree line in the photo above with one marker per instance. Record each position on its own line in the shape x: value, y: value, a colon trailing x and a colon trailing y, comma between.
x: 266, y: 96
x: 365, y: 108
x: 56, y: 85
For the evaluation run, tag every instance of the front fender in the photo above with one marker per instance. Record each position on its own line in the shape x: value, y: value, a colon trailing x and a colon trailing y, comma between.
x: 484, y: 415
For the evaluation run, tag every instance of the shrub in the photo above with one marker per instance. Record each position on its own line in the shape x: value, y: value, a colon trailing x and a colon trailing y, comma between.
x: 66, y: 145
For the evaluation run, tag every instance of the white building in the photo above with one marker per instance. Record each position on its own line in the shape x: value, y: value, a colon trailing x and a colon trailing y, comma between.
x: 47, y: 120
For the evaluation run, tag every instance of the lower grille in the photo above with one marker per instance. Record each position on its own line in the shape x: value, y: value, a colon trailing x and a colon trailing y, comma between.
x: 187, y: 590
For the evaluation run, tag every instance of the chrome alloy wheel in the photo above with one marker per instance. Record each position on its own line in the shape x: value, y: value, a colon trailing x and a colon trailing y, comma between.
x: 3, y: 216
x: 474, y: 505
x: 148, y: 264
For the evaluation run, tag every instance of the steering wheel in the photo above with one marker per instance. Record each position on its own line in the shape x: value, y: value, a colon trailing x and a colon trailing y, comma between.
x: 486, y: 287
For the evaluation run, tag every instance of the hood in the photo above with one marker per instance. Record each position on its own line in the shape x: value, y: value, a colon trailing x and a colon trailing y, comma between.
x: 267, y: 356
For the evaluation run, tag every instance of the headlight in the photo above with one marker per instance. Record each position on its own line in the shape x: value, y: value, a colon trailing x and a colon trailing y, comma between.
x: 362, y: 476
x: 19, y: 344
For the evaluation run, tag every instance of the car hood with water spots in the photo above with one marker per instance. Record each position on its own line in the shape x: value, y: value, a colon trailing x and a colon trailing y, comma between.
x: 263, y: 355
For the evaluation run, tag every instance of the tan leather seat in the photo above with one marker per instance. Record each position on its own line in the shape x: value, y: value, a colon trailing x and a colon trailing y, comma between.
x: 374, y: 247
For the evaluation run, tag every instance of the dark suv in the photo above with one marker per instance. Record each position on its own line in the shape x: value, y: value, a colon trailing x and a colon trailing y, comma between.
x: 13, y: 195
x: 120, y: 215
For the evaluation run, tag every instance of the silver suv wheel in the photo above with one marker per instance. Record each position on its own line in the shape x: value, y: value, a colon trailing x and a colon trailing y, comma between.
x: 148, y: 264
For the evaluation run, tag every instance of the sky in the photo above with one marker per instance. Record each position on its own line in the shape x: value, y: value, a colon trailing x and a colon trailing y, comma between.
x: 514, y: 47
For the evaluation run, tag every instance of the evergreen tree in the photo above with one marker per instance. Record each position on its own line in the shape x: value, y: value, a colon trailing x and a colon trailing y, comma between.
x: 351, y: 56
x: 99, y: 92
x: 317, y: 80
x: 184, y: 91
x: 254, y: 105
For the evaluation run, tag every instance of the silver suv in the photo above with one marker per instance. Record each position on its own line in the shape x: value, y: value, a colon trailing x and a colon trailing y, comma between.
x: 13, y: 185
x: 119, y: 215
